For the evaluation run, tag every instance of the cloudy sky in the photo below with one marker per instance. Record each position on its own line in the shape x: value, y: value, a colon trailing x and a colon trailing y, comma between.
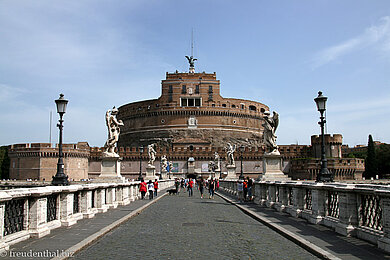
x: 102, y: 53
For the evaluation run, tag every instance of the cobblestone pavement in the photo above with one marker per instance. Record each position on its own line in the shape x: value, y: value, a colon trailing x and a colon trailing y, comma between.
x: 182, y: 227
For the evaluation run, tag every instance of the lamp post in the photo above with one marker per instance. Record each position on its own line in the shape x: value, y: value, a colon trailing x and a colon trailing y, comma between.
x: 60, y: 178
x: 242, y: 149
x: 141, y: 150
x: 324, y: 175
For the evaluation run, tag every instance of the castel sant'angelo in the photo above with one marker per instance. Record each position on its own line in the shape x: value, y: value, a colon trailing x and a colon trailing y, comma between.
x: 189, y: 111
x: 189, y: 123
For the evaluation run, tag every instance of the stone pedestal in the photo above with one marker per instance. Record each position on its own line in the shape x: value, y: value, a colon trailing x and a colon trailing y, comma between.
x: 231, y: 172
x: 111, y: 170
x: 150, y: 173
x: 164, y: 175
x: 272, y: 169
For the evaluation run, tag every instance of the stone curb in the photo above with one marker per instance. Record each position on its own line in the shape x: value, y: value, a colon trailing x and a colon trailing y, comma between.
x: 70, y: 252
x: 312, y: 248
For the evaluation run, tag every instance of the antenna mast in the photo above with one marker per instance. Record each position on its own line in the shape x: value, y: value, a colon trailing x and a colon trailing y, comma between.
x: 191, y: 58
x: 192, y: 42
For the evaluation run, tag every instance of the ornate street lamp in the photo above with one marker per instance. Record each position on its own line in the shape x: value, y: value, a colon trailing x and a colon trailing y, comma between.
x: 141, y: 150
x: 242, y: 149
x: 60, y: 178
x: 324, y: 175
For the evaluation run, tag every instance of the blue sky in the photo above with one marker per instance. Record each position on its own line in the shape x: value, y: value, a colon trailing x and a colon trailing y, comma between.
x: 281, y: 53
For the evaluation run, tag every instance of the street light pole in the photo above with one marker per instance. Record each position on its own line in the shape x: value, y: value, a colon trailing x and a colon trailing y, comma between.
x: 242, y: 149
x: 60, y: 178
x: 141, y: 150
x: 324, y: 174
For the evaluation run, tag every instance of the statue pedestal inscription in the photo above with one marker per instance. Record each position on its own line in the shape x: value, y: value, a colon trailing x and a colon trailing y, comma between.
x: 150, y: 172
x: 272, y: 169
x: 231, y: 172
x: 111, y: 170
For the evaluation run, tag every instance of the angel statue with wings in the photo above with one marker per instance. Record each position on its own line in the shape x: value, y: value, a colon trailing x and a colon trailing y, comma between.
x: 270, y: 125
x: 113, y: 126
x: 191, y: 61
x: 230, y: 153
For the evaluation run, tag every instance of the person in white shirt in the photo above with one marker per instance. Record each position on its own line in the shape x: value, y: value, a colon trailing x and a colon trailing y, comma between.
x: 150, y: 189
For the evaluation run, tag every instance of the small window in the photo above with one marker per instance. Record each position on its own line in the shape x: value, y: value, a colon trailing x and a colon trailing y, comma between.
x: 262, y: 110
x: 223, y: 105
x: 213, y: 105
x: 197, y: 102
x: 197, y: 89
x: 163, y: 121
x: 252, y: 108
x: 242, y: 106
x: 191, y: 102
x: 210, y: 89
x: 183, y: 102
x: 233, y: 106
x: 170, y: 89
x: 234, y: 121
x: 184, y: 89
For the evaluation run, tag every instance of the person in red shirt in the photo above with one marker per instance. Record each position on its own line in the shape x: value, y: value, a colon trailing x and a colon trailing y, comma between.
x: 155, y: 187
x: 143, y: 189
x: 190, y: 185
x: 245, y: 189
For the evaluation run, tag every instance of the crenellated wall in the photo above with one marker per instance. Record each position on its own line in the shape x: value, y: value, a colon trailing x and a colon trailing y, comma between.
x: 39, y: 161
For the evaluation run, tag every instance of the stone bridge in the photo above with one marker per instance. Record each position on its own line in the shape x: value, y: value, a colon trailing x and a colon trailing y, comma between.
x: 288, y: 220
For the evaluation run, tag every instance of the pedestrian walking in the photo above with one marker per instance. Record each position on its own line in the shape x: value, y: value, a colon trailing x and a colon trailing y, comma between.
x: 155, y: 184
x: 250, y: 185
x: 200, y: 187
x: 240, y: 190
x: 245, y: 183
x: 211, y: 188
x: 190, y: 186
x: 177, y: 184
x: 143, y: 188
x: 150, y: 189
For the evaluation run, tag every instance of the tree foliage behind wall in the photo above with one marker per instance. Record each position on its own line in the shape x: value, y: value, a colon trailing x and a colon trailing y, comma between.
x: 4, y: 162
x: 383, y: 160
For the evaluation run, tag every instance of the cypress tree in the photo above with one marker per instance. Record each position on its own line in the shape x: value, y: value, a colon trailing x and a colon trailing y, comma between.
x: 4, y: 162
x: 371, y: 164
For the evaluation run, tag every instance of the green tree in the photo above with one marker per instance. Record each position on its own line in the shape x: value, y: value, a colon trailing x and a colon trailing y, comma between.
x: 371, y: 168
x: 4, y: 162
x: 383, y: 159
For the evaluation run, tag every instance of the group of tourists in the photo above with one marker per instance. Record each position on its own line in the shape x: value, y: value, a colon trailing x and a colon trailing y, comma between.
x: 244, y: 189
x: 212, y: 185
x: 151, y: 187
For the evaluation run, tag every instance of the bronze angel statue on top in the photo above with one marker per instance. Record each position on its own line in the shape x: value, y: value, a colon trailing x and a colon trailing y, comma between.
x: 191, y: 60
x: 270, y: 125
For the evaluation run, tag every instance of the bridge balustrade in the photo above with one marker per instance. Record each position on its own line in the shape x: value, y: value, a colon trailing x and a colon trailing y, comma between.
x: 34, y: 212
x: 359, y: 210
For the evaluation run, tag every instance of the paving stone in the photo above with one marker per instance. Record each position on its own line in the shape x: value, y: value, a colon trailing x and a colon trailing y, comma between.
x: 182, y: 227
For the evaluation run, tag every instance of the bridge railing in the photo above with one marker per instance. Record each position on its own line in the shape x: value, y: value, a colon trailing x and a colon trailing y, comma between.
x: 358, y: 210
x: 34, y: 212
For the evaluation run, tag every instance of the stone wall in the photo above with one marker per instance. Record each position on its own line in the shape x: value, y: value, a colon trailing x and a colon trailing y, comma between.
x: 46, y: 208
x: 39, y: 161
x: 358, y: 210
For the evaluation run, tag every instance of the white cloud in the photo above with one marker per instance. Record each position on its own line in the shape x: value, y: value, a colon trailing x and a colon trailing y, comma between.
x: 376, y: 35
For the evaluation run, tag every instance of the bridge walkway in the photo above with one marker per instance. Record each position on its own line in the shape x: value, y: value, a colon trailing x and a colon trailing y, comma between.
x: 182, y: 227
